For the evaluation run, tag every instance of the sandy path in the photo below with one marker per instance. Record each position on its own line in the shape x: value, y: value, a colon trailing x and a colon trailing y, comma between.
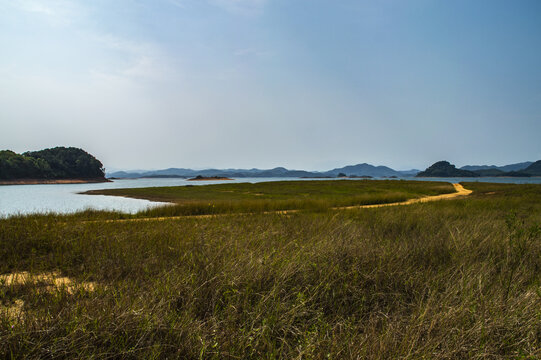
x: 460, y: 191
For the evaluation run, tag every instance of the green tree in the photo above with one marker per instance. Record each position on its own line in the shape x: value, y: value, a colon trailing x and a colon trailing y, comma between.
x: 54, y: 163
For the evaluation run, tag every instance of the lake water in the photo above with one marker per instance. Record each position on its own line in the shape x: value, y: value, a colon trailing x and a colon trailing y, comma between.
x: 64, y: 198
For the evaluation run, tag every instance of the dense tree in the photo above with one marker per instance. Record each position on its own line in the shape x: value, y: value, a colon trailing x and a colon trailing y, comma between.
x: 55, y: 163
x: 445, y: 169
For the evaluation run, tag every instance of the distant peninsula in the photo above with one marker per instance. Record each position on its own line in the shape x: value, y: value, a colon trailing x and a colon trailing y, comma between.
x: 59, y: 165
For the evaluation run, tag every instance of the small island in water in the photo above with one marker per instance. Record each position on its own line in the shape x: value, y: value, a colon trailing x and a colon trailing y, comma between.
x: 208, y: 178
x: 59, y: 165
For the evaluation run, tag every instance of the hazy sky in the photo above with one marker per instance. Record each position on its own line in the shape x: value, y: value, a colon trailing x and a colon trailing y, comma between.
x: 311, y: 84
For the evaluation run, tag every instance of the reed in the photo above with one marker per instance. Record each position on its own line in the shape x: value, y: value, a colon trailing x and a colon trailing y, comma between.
x: 455, y: 279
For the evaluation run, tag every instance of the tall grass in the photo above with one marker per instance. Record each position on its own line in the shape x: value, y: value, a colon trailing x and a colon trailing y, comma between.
x: 452, y: 280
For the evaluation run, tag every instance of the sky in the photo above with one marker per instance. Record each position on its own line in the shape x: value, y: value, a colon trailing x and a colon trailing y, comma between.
x: 304, y: 84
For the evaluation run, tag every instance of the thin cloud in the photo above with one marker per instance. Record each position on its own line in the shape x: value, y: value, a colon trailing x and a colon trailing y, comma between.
x: 56, y: 12
x: 250, y: 52
x: 177, y: 3
x: 243, y: 7
x: 142, y: 60
x: 124, y: 45
x: 35, y: 7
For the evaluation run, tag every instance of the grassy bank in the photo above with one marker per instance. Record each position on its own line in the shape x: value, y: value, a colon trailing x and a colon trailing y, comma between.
x: 450, y: 279
x: 279, y: 195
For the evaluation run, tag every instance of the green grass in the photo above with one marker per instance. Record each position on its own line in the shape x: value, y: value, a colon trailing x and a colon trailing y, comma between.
x: 280, y: 195
x: 457, y: 279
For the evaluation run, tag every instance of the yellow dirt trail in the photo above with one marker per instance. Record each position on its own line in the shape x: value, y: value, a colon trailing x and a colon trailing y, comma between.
x: 460, y: 191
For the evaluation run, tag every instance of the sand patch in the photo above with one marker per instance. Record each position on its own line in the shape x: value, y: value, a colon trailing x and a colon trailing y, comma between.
x: 52, y: 281
x: 252, y: 193
x: 47, y: 282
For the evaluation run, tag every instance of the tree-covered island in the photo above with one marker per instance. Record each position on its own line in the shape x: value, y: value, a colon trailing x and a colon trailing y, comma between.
x: 59, y: 164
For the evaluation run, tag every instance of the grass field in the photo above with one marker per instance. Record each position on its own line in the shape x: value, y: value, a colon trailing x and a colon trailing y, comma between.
x: 279, y: 195
x: 456, y: 279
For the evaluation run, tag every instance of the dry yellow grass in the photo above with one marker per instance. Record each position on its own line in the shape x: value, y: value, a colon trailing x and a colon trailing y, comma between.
x: 52, y: 281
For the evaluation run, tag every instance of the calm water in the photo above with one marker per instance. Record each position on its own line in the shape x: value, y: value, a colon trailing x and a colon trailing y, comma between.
x: 64, y: 198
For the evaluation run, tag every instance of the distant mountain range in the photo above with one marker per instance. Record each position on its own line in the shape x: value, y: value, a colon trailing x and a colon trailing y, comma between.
x: 506, y: 168
x: 445, y: 169
x: 440, y: 169
x: 350, y: 170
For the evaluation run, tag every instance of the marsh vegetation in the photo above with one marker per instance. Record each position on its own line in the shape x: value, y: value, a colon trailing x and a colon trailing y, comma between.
x: 448, y: 279
x: 278, y: 195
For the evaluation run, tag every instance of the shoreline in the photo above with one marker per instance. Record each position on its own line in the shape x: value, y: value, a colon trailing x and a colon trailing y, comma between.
x: 52, y: 181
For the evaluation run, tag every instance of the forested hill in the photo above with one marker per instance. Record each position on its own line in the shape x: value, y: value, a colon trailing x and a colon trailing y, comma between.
x: 445, y: 169
x: 50, y: 164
